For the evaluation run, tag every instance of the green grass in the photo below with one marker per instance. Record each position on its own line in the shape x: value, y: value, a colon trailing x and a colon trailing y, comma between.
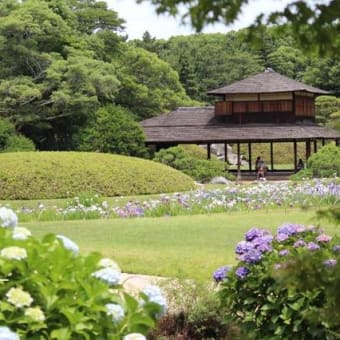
x: 183, y: 246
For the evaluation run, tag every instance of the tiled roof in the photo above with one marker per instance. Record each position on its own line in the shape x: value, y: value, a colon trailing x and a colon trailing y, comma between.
x: 266, y: 82
x: 195, y: 125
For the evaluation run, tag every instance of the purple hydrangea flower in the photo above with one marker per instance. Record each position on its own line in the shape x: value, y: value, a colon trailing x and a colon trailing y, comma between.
x: 336, y: 248
x: 330, y: 263
x: 254, y: 233
x: 242, y: 272
x: 299, y: 243
x: 263, y: 243
x: 221, y: 273
x: 323, y: 238
x: 280, y: 237
x: 284, y: 252
x: 252, y: 256
x: 243, y: 247
x: 313, y: 246
x: 288, y: 229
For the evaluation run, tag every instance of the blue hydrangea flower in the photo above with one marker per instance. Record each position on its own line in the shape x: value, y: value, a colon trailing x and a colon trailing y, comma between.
x: 155, y: 295
x: 221, y: 273
x: 8, y: 219
x: 68, y: 244
x: 7, y: 334
x: 330, y: 263
x: 108, y: 275
x: 263, y: 243
x: 242, y: 272
x: 115, y: 311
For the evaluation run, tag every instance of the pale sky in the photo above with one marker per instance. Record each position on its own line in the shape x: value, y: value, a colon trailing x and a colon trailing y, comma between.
x: 142, y: 17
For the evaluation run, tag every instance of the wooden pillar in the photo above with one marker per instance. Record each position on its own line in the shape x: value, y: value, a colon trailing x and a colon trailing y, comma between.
x: 315, y: 146
x: 271, y: 156
x: 295, y: 155
x: 225, y: 152
x: 337, y: 142
x: 323, y: 141
x: 249, y: 156
x: 238, y: 178
x: 209, y: 151
x: 308, y: 149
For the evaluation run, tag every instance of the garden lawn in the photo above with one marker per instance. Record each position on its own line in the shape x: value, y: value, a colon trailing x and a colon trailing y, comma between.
x: 182, y: 246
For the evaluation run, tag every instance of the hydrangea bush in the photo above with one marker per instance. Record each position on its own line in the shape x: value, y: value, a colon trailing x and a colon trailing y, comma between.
x: 49, y: 291
x: 285, y: 286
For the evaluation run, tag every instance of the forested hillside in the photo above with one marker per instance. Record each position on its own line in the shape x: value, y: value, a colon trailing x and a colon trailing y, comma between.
x: 69, y: 79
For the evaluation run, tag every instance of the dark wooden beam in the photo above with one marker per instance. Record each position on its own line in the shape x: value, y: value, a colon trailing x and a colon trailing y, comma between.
x: 315, y: 146
x: 238, y: 178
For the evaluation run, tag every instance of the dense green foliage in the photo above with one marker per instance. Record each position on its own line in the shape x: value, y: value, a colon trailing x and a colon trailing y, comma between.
x: 315, y: 25
x: 34, y: 175
x: 199, y: 169
x: 11, y: 141
x: 326, y: 162
x: 208, y: 61
x: 49, y: 291
x: 284, y: 285
x: 112, y: 130
x: 62, y: 60
x: 328, y: 111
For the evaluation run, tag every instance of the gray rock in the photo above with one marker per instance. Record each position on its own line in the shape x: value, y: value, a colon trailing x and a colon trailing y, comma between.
x: 219, y: 180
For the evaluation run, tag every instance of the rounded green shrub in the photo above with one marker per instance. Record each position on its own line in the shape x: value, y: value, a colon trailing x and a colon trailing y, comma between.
x: 199, y: 169
x: 19, y: 143
x: 326, y: 162
x: 49, y: 291
x: 37, y: 175
x: 7, y: 129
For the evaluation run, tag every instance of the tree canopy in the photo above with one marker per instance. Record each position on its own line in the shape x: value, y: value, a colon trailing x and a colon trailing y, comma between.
x: 315, y: 24
x: 60, y: 61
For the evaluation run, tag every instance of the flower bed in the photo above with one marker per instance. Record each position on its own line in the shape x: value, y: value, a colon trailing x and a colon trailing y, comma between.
x: 231, y: 198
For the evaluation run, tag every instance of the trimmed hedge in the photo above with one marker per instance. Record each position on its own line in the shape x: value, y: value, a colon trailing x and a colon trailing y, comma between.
x: 38, y: 175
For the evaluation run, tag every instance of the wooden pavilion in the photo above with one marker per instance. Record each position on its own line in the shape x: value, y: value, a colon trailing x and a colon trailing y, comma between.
x: 264, y: 108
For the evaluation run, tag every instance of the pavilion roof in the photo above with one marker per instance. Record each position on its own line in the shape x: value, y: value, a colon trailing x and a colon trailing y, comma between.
x: 199, y: 125
x: 268, y: 81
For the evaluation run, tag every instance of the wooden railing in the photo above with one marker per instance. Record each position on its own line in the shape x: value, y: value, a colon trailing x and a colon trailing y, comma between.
x: 224, y: 108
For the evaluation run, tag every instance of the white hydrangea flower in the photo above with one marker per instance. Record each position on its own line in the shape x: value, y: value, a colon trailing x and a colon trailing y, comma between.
x: 18, y: 297
x: 8, y: 218
x: 7, y: 334
x: 13, y: 253
x: 68, y: 244
x: 134, y: 336
x: 21, y: 233
x: 155, y: 295
x: 108, y: 263
x: 35, y: 313
x: 116, y: 311
x: 108, y: 275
